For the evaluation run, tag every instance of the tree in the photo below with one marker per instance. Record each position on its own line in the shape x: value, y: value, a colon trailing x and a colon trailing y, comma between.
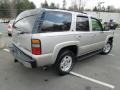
x: 95, y: 9
x: 81, y: 5
x: 75, y: 7
x: 24, y: 5
x: 103, y: 9
x: 111, y: 9
x: 88, y: 9
x: 4, y: 9
x: 57, y: 6
x: 11, y: 8
x: 45, y: 5
x: 64, y: 4
x: 52, y: 6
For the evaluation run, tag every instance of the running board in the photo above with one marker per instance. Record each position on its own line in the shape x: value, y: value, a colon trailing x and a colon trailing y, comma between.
x: 88, y: 55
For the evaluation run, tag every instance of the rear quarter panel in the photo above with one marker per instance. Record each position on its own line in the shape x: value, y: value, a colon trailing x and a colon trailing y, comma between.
x: 53, y: 42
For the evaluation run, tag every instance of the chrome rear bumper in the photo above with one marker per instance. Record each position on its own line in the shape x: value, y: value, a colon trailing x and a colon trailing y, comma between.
x: 23, y: 58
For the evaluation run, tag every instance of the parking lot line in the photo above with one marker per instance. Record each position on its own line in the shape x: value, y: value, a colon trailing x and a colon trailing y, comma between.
x: 93, y: 80
x: 111, y: 54
x: 7, y: 50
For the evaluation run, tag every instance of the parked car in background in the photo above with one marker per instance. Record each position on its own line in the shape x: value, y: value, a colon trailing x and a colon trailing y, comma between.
x: 110, y: 25
x: 1, y: 20
x: 10, y: 24
x: 57, y: 37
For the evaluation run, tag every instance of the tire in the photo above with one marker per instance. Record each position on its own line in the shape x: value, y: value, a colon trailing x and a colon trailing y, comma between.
x: 65, y: 62
x: 9, y: 34
x: 107, y: 48
x: 15, y: 60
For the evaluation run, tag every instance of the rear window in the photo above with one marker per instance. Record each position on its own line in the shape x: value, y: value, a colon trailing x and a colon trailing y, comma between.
x: 26, y: 23
x: 82, y: 23
x: 26, y: 20
x: 55, y: 21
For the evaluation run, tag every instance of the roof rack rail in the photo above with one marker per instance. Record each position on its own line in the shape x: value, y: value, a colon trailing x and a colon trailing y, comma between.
x: 77, y: 11
x: 83, y: 12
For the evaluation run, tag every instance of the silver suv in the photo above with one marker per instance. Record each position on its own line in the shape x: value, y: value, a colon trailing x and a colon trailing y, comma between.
x: 43, y: 37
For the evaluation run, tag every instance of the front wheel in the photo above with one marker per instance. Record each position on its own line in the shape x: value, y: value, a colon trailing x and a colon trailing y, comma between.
x: 107, y: 48
x: 65, y: 62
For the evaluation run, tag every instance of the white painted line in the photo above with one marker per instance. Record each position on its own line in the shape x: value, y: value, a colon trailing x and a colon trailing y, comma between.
x: 6, y: 50
x: 111, y: 54
x: 93, y: 80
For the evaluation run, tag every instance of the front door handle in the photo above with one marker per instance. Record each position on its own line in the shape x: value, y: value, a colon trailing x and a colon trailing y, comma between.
x: 78, y: 37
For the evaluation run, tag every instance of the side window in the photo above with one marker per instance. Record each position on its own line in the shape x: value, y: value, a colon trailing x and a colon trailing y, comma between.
x: 82, y: 23
x: 96, y: 25
x: 56, y: 21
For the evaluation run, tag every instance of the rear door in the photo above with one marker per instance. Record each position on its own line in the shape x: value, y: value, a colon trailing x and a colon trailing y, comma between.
x: 84, y: 35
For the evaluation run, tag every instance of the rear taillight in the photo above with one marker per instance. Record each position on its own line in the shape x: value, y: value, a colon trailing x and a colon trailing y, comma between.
x: 36, y: 46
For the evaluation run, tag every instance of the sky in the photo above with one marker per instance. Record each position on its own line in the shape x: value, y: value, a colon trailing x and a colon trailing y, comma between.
x: 89, y: 3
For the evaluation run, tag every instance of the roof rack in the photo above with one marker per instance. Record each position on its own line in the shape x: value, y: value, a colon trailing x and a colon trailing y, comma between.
x: 83, y: 12
x: 76, y: 11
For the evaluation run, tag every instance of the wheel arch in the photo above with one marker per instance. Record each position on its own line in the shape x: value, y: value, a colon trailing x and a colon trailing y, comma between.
x: 72, y: 46
x: 109, y: 38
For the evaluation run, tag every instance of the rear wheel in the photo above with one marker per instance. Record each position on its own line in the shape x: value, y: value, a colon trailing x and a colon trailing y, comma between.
x: 107, y: 48
x: 65, y: 62
x: 15, y: 60
x: 9, y: 34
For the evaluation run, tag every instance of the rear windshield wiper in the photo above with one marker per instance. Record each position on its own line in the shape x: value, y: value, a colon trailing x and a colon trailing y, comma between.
x: 22, y: 32
x: 21, y: 19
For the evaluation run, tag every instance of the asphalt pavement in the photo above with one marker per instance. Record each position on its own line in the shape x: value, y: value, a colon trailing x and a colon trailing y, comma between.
x: 99, y: 72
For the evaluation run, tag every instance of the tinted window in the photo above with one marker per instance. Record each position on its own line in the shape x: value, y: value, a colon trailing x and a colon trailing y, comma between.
x: 82, y: 23
x: 56, y: 21
x: 96, y: 25
x: 25, y: 21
